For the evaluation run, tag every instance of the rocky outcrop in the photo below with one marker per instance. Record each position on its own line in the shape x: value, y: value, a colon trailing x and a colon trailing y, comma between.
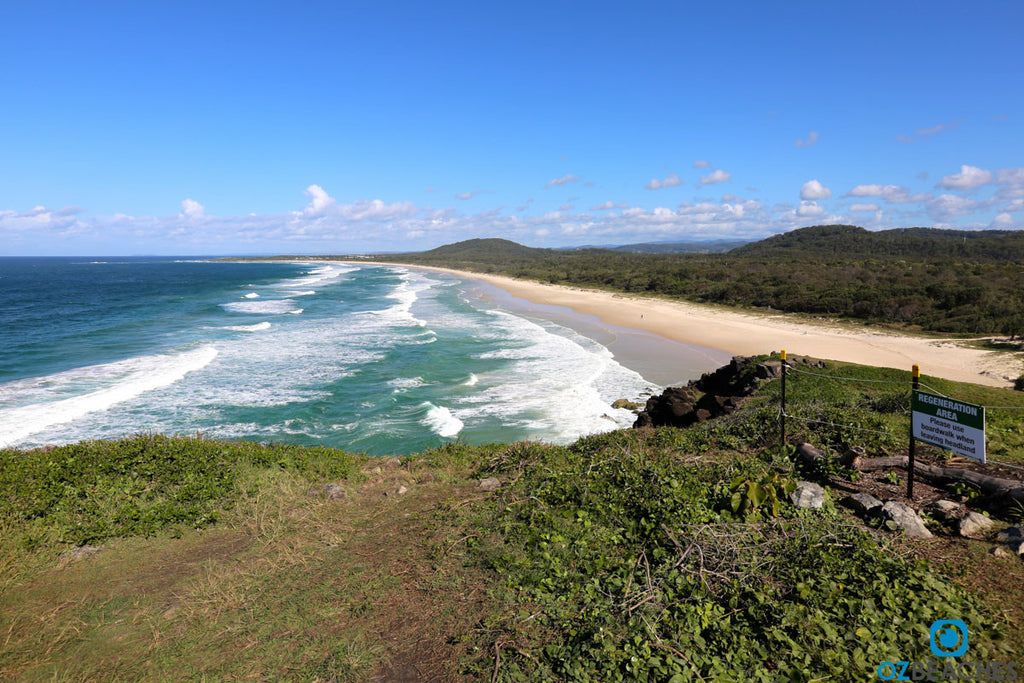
x: 713, y: 395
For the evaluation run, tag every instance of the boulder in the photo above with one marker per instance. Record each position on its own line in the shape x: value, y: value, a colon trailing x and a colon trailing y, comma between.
x: 946, y: 510
x: 808, y: 495
x: 625, y: 403
x: 1010, y: 534
x: 862, y: 503
x: 335, y: 492
x: 769, y: 370
x: 905, y: 518
x: 329, y: 491
x: 489, y: 484
x: 1000, y: 552
x: 974, y: 525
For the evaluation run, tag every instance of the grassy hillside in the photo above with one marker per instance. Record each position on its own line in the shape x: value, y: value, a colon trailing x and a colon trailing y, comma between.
x: 618, y: 557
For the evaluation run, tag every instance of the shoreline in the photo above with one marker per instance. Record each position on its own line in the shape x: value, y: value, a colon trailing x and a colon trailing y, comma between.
x: 747, y: 333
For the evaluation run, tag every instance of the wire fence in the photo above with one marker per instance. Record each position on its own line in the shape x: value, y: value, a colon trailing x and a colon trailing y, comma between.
x: 788, y: 368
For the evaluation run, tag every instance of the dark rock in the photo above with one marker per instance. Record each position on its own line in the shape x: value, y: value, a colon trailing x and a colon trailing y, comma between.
x: 722, y: 391
x: 1011, y: 534
x: 862, y: 503
x: 769, y: 369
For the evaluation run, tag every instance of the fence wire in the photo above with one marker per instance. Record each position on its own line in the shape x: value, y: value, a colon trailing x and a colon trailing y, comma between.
x: 921, y: 385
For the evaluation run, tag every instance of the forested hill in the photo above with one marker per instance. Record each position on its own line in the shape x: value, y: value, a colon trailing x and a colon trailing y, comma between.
x: 484, y: 249
x: 917, y: 278
x: 926, y: 244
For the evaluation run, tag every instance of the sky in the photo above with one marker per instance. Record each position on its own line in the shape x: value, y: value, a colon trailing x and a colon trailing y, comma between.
x: 340, y: 127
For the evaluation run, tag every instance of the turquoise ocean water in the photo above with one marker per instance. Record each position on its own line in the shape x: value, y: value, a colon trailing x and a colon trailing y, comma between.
x: 370, y: 358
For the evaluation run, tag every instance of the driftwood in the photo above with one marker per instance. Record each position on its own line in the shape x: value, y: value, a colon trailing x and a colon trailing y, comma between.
x: 994, y: 487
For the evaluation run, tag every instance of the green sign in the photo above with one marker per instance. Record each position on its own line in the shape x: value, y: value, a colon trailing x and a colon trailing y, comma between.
x: 950, y: 424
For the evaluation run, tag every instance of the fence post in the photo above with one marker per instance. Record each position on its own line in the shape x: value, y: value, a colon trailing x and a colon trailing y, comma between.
x: 783, y: 415
x: 916, y: 377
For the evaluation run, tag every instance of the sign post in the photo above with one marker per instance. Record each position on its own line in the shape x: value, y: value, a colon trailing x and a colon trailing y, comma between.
x: 948, y: 423
x: 916, y: 373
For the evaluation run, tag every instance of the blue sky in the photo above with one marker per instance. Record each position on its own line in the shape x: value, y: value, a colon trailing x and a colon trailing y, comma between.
x: 258, y: 127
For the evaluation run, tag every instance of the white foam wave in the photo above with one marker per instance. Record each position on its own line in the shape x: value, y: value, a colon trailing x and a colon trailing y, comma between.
x: 319, y: 275
x: 297, y: 311
x: 272, y: 306
x: 552, y: 381
x: 251, y: 295
x: 441, y: 421
x: 472, y: 381
x: 403, y: 384
x: 406, y: 292
x: 308, y: 292
x: 125, y: 379
x: 258, y: 327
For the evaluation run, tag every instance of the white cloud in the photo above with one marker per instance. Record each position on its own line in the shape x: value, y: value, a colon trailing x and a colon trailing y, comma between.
x: 894, y: 194
x: 671, y: 181
x: 192, y: 209
x: 718, y: 176
x: 1003, y: 221
x: 864, y: 207
x: 566, y: 207
x: 809, y: 210
x: 969, y: 178
x: 564, y: 180
x: 467, y: 195
x: 701, y: 163
x: 947, y: 206
x: 319, y: 200
x: 809, y: 141
x: 812, y: 189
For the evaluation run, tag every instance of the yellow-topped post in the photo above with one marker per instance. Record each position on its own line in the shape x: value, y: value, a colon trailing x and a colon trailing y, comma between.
x: 915, y: 375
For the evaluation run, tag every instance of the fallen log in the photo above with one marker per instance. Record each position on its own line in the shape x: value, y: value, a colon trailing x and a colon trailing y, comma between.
x: 995, y: 487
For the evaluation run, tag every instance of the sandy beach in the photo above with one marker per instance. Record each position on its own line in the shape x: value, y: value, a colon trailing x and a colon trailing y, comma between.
x: 746, y: 333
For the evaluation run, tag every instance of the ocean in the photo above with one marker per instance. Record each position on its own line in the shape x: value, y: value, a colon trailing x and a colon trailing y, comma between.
x: 374, y: 359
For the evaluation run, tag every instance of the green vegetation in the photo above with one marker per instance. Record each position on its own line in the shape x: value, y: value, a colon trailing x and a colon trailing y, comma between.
x: 962, y: 282
x: 668, y: 555
x: 88, y: 492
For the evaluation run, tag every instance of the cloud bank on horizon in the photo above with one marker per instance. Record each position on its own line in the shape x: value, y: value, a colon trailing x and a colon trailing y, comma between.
x: 405, y: 127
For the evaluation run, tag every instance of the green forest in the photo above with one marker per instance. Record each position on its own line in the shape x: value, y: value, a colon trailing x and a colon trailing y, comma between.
x: 952, y: 281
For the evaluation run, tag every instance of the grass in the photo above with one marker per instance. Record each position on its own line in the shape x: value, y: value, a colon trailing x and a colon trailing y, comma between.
x: 624, y: 556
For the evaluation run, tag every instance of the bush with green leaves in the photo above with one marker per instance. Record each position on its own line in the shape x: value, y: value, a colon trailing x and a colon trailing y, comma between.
x: 90, y: 491
x: 622, y: 560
